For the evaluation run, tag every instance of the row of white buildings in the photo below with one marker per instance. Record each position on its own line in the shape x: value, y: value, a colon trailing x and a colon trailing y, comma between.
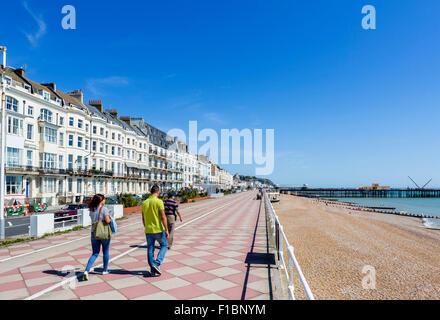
x: 60, y: 148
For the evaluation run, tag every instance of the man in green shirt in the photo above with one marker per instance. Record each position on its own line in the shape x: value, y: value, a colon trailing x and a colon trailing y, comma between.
x: 156, y: 229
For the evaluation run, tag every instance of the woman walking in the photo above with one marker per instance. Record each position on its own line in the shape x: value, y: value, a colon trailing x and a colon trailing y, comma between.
x: 98, y: 213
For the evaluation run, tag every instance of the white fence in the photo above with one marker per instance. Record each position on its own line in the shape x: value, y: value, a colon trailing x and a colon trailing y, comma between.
x: 285, y: 249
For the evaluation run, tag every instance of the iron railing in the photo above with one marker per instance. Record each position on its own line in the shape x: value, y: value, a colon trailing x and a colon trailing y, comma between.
x: 284, y: 249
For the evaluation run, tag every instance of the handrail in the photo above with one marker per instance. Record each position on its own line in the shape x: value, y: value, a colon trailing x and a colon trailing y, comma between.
x: 281, y: 241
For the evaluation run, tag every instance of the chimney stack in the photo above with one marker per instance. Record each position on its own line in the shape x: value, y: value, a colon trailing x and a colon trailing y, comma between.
x: 127, y: 120
x: 3, y: 49
x: 97, y: 104
x: 20, y: 72
x: 113, y: 113
x: 77, y: 94
x: 52, y: 86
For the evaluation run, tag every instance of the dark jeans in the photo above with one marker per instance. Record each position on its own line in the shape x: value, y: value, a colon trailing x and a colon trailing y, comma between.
x: 96, y: 248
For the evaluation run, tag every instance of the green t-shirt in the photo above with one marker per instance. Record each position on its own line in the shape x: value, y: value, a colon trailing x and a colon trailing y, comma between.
x: 152, y: 218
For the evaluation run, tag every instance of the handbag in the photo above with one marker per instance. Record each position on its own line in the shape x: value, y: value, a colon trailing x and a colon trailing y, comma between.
x: 101, y: 229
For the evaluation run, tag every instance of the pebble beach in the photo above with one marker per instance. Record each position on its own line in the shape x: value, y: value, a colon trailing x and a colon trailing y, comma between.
x: 335, y: 244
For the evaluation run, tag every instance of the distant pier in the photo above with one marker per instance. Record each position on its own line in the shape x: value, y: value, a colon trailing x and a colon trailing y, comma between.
x: 358, y: 193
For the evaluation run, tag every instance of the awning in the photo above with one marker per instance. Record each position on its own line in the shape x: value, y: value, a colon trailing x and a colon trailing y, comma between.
x: 131, y: 165
x: 144, y: 166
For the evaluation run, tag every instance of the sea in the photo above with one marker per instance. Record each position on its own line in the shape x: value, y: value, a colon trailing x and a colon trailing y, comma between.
x: 424, y: 206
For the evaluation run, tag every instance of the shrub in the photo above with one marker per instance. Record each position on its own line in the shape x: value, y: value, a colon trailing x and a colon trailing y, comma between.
x: 128, y: 200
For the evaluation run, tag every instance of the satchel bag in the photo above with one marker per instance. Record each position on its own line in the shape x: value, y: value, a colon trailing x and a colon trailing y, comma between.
x: 101, y: 229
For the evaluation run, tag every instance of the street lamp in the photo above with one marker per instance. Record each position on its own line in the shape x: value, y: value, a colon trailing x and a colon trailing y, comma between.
x: 2, y: 151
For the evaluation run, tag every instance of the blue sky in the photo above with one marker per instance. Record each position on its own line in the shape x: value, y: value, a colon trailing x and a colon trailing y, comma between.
x: 349, y: 107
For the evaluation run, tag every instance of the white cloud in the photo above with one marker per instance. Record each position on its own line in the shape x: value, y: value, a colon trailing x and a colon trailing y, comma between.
x: 214, y: 117
x: 33, y: 38
x: 96, y: 85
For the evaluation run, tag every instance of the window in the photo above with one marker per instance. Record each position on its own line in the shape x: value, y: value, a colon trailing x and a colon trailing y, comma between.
x: 15, y: 126
x: 29, y: 155
x: 70, y: 162
x: 60, y: 162
x: 46, y: 95
x: 106, y: 149
x: 87, y: 127
x: 50, y: 135
x: 11, y: 104
x: 101, y: 164
x: 46, y: 115
x: 79, y: 162
x: 119, y: 151
x: 128, y: 140
x: 113, y: 136
x: 69, y: 185
x: 70, y: 140
x: 119, y: 137
x: 61, y: 142
x: 101, y: 131
x: 86, y: 145
x: 94, y: 163
x: 49, y: 185
x: 94, y: 129
x: 13, y: 157
x: 101, y: 147
x: 13, y: 185
x: 49, y: 161
x: 106, y: 134
x: 79, y: 186
x: 30, y: 111
x: 86, y: 163
x: 71, y: 121
x: 113, y: 150
x: 30, y: 131
x: 80, y: 123
x: 80, y: 142
x: 94, y: 145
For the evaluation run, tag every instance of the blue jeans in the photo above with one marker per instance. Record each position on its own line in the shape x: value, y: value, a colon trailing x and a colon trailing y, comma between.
x: 151, y: 239
x: 96, y: 247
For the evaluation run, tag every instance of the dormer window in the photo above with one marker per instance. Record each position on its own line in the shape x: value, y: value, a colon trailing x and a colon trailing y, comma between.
x: 11, y: 104
x: 45, y: 94
x: 46, y: 115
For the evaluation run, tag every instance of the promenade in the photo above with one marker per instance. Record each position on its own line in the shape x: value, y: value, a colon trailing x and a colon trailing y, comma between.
x: 211, y: 258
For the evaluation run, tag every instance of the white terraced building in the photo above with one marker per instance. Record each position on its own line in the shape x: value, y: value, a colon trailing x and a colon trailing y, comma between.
x: 60, y: 149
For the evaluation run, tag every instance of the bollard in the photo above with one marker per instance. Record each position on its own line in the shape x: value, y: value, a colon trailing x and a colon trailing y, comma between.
x: 116, y: 210
x: 42, y: 224
x: 84, y: 217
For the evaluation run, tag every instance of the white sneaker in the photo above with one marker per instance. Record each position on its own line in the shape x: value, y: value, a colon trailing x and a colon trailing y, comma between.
x: 105, y: 272
x: 85, y: 276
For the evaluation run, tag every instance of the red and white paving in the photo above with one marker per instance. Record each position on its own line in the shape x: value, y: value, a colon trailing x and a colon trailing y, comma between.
x: 207, y: 260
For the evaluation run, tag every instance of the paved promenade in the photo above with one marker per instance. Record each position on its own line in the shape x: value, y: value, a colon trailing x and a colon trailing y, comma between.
x: 213, y: 257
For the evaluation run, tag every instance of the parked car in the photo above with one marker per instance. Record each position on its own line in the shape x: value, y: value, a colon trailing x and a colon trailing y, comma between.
x: 70, y: 211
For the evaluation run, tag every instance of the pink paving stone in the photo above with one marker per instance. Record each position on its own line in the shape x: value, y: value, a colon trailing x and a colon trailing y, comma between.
x: 32, y: 275
x: 206, y: 266
x: 239, y: 278
x: 198, y: 277
x: 218, y: 250
x: 11, y: 272
x: 92, y: 289
x: 179, y: 257
x: 35, y: 289
x: 134, y: 266
x: 12, y: 285
x: 81, y: 256
x: 61, y: 264
x: 185, y: 250
x: 171, y: 264
x: 213, y: 257
x: 240, y: 266
x: 188, y: 292
x: 114, y: 276
x: 164, y: 276
x: 235, y: 293
x: 138, y: 291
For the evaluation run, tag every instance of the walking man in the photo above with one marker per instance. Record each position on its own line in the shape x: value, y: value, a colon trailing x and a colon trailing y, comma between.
x: 171, y: 209
x: 156, y: 229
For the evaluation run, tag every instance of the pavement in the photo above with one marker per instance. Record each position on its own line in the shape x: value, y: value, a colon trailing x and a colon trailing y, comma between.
x: 220, y: 251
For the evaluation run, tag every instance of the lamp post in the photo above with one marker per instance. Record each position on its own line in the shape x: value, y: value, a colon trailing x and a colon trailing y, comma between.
x: 2, y: 151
